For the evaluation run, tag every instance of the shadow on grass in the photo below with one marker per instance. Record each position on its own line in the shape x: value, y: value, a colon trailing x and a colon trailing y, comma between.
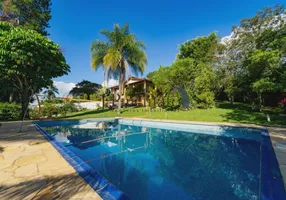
x: 53, y: 187
x: 243, y: 113
x: 91, y: 112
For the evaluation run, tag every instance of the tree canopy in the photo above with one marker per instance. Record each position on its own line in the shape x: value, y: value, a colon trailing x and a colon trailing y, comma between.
x: 255, y: 56
x: 51, y: 92
x: 85, y: 87
x: 246, y: 66
x: 28, y: 61
x: 29, y: 14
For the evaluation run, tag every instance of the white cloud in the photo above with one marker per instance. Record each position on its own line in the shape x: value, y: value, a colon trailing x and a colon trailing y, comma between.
x: 110, y: 83
x: 63, y: 87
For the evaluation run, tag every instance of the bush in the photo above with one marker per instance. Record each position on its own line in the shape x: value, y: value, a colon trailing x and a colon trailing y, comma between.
x: 282, y: 104
x: 34, y: 113
x: 10, y: 111
x: 50, y: 109
x: 68, y: 108
x: 206, y: 100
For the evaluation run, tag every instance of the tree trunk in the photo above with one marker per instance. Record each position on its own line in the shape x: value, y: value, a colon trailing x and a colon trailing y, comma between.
x: 121, y: 85
x: 260, y: 101
x: 39, y: 104
x: 25, y: 100
x: 102, y: 102
x: 11, y: 97
x: 232, y: 99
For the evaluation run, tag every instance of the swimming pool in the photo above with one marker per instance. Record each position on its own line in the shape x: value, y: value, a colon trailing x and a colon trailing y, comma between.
x: 161, y: 160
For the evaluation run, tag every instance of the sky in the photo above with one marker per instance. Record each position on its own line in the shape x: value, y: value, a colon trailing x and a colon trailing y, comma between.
x: 161, y: 24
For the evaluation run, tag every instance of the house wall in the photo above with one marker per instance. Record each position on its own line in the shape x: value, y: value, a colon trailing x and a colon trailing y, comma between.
x: 138, y: 101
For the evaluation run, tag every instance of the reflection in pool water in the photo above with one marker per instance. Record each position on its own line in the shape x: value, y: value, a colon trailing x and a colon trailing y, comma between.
x: 153, y: 163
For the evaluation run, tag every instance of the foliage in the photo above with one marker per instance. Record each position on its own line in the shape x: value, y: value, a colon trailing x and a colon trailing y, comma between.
x: 103, y: 92
x: 254, y: 58
x: 50, y: 109
x: 95, y: 96
x: 206, y: 100
x: 282, y: 103
x: 85, y: 96
x: 10, y: 111
x: 85, y: 88
x: 67, y: 108
x: 22, y: 53
x: 188, y: 78
x: 119, y: 53
x: 29, y: 14
x: 50, y: 92
x: 201, y: 49
x: 34, y: 113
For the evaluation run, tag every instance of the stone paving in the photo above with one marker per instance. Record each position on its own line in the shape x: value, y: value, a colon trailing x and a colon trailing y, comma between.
x: 278, y: 139
x: 30, y: 168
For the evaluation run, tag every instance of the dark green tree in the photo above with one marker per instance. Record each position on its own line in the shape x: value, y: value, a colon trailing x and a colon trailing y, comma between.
x: 85, y: 87
x: 29, y: 61
x: 51, y: 92
x: 29, y: 14
x: 255, y: 56
x: 202, y: 49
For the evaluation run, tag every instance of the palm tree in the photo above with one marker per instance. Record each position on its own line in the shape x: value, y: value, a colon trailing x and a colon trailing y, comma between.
x: 51, y: 92
x: 117, y: 54
x: 102, y: 92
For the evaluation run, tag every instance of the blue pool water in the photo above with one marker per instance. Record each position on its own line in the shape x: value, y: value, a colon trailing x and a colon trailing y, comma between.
x: 159, y: 163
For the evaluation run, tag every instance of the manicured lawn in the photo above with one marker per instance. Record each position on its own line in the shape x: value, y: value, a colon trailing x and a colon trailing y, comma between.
x: 223, y: 112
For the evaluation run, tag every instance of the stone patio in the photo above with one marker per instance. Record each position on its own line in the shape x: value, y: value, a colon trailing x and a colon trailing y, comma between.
x: 30, y: 168
x: 278, y: 138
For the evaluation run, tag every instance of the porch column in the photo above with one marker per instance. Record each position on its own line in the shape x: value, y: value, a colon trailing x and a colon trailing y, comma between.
x: 145, y: 91
x: 113, y: 99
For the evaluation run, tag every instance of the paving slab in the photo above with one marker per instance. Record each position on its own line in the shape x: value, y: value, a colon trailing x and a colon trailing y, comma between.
x: 30, y: 168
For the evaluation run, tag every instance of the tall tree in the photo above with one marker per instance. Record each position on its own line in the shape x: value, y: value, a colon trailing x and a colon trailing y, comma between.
x: 50, y: 92
x: 30, y: 14
x: 103, y: 93
x: 119, y: 53
x: 29, y: 61
x: 202, y: 49
x: 85, y: 87
x: 256, y: 52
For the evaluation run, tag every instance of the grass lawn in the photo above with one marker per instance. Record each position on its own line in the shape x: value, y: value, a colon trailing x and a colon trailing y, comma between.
x: 223, y: 112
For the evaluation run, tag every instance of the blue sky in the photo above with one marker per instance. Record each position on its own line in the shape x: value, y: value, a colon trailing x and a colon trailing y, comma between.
x: 162, y: 25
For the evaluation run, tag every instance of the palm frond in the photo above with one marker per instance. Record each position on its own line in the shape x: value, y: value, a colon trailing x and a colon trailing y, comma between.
x: 98, y: 52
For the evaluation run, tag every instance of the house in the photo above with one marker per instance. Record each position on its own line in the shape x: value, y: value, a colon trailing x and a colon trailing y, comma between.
x: 135, y: 92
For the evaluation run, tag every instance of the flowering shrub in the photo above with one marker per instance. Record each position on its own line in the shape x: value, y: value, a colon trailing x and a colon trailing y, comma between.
x: 282, y: 103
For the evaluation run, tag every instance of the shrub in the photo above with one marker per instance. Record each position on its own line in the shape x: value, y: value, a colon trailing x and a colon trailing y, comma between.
x: 50, y: 109
x: 34, y: 113
x: 282, y: 103
x: 206, y: 100
x: 68, y: 108
x: 10, y: 111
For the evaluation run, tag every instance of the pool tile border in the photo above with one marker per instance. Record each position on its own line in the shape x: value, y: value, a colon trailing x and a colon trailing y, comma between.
x: 272, y: 186
x: 99, y: 184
